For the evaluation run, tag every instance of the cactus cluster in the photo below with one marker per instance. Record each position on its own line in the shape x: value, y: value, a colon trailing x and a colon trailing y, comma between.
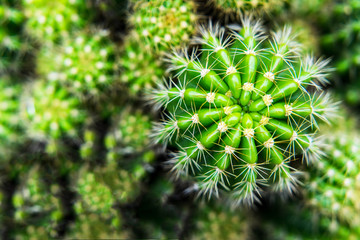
x: 240, y: 112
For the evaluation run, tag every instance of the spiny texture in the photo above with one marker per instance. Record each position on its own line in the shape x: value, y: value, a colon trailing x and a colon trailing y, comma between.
x: 334, y: 187
x: 164, y: 24
x: 97, y: 216
x: 37, y: 209
x: 52, y: 112
x: 11, y: 19
x: 240, y: 112
x: 214, y: 221
x: 50, y: 21
x: 84, y: 63
x: 140, y: 68
x: 10, y: 122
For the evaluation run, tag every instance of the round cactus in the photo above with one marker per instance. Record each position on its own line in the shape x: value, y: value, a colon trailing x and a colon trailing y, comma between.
x: 240, y: 112
x: 49, y: 22
x: 141, y: 70
x: 37, y: 210
x: 52, y: 112
x: 164, y: 24
x: 84, y: 62
x: 95, y: 208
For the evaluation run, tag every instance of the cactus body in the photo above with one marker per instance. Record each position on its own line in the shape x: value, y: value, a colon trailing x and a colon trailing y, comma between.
x: 164, y: 24
x: 140, y: 68
x: 240, y: 111
x: 37, y: 209
x: 97, y: 216
x: 50, y: 21
x: 52, y: 112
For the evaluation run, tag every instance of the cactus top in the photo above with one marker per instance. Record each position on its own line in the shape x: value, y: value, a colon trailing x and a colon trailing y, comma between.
x: 240, y: 110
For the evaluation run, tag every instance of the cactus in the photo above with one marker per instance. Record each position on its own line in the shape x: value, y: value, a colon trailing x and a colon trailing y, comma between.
x: 334, y: 182
x: 11, y: 44
x: 11, y: 129
x: 97, y: 216
x: 50, y: 21
x: 229, y: 8
x: 141, y: 69
x: 84, y: 63
x: 214, y: 221
x: 37, y: 209
x: 164, y: 24
x: 62, y: 119
x: 241, y: 112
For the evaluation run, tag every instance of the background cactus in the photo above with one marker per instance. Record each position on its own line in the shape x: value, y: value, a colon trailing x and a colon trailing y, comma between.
x: 140, y: 68
x: 95, y: 207
x: 49, y: 22
x: 240, y: 112
x: 164, y: 24
x: 37, y: 208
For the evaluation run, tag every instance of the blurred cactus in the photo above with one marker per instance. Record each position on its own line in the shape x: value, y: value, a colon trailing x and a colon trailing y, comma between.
x: 11, y: 127
x: 164, y: 24
x: 97, y: 216
x: 334, y: 184
x: 37, y: 209
x: 141, y: 69
x: 215, y: 221
x: 84, y: 63
x: 63, y: 118
x: 231, y: 8
x: 241, y: 112
x: 11, y: 44
x: 50, y: 21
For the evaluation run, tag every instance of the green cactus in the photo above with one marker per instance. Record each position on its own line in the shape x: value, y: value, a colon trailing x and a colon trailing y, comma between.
x: 141, y: 69
x: 214, y: 221
x: 50, y: 21
x: 164, y: 24
x: 229, y: 8
x: 125, y: 140
x: 241, y: 112
x: 97, y: 216
x: 37, y: 209
x: 11, y: 44
x: 334, y: 182
x: 84, y: 63
x: 11, y: 127
x: 52, y: 112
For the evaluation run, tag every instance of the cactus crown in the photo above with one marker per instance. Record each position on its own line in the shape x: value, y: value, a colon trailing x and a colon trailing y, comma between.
x: 240, y: 110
